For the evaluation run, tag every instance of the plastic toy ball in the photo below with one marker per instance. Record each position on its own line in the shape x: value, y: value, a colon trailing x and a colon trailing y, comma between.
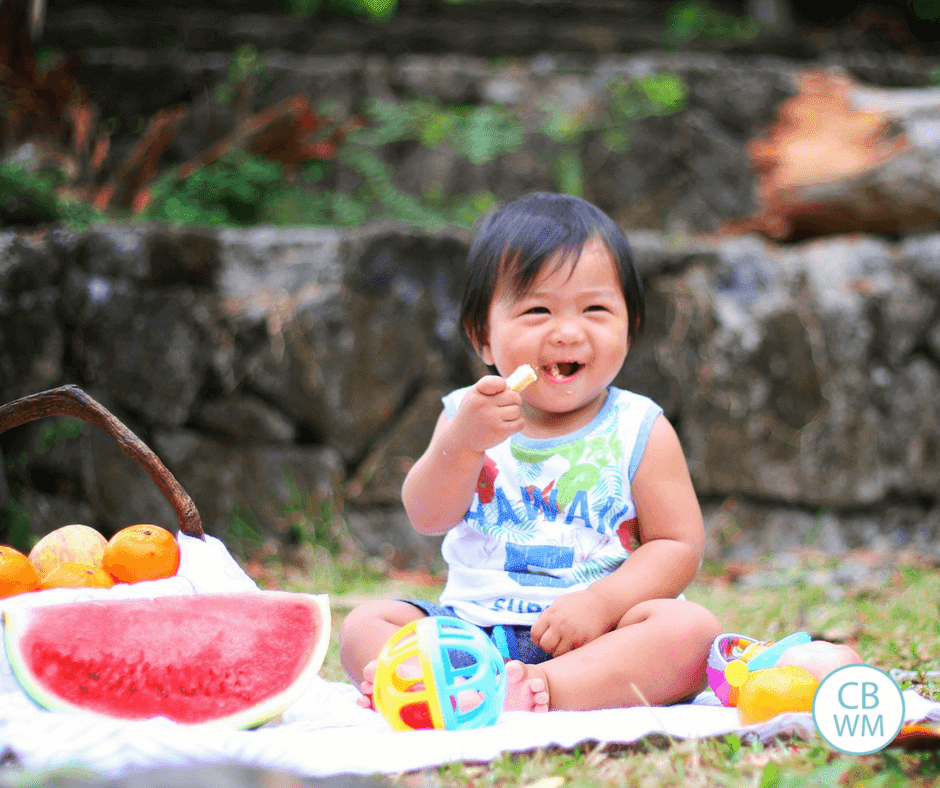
x: 439, y: 672
x: 733, y: 658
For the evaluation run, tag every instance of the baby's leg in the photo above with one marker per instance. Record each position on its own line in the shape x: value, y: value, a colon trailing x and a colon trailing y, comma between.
x: 656, y: 656
x: 364, y: 632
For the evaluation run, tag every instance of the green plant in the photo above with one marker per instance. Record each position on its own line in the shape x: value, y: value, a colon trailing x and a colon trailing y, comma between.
x: 35, y: 198
x: 925, y: 9
x: 379, y: 198
x: 233, y: 190
x: 54, y: 430
x: 372, y: 9
x: 694, y: 19
x: 245, y: 66
x: 243, y: 532
x: 328, y: 561
x: 480, y: 133
x: 311, y: 519
x: 628, y: 101
x: 15, y: 526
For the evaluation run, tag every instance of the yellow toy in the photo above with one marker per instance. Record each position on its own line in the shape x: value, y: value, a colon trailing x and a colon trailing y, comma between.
x: 733, y: 658
x: 766, y: 678
x: 773, y: 691
x: 439, y: 672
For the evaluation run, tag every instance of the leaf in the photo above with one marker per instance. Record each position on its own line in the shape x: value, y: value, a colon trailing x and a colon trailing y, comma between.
x: 667, y: 92
x: 579, y: 477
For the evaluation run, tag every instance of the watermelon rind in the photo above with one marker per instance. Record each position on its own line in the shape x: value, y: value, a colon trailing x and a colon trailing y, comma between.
x: 16, y: 624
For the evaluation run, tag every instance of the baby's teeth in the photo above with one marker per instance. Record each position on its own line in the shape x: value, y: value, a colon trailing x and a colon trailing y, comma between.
x: 555, y: 370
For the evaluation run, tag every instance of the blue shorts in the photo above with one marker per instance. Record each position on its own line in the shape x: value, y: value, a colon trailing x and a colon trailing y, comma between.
x: 513, y: 642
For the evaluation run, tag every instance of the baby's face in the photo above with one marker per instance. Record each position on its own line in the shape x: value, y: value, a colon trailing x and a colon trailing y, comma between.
x: 571, y: 326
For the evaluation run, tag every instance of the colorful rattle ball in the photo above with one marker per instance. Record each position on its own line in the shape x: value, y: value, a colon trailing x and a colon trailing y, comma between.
x: 439, y: 672
x: 733, y: 659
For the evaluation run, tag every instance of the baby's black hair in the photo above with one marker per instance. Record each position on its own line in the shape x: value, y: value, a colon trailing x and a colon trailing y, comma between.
x: 518, y: 239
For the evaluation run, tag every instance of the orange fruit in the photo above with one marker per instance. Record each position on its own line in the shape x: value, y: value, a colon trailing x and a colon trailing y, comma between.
x: 68, y: 543
x: 73, y: 574
x: 17, y: 573
x: 773, y: 691
x: 141, y: 552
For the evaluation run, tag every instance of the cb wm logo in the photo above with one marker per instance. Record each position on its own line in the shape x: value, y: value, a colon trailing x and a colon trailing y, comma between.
x: 858, y: 709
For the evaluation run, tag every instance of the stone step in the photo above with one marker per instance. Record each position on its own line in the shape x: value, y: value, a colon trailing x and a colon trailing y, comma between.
x: 522, y: 28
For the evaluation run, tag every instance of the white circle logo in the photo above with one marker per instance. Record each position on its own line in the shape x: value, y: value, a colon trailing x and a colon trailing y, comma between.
x: 858, y: 709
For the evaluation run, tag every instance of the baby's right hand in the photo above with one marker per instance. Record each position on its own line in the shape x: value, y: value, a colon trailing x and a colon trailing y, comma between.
x: 489, y: 413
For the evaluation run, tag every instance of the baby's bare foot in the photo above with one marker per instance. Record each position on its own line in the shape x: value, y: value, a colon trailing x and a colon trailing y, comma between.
x: 527, y: 689
x: 408, y: 670
x: 367, y: 685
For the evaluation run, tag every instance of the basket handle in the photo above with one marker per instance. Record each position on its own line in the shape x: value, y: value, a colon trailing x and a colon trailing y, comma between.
x: 72, y: 401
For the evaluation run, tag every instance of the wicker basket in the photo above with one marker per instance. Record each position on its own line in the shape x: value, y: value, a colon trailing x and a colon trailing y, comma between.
x: 72, y: 401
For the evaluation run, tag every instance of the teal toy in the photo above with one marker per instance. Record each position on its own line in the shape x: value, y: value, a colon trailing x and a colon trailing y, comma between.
x: 439, y: 672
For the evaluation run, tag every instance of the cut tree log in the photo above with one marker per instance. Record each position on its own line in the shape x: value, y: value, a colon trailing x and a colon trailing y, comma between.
x: 842, y: 157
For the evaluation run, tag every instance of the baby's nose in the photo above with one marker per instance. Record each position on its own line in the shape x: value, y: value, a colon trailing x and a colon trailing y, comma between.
x: 567, y: 331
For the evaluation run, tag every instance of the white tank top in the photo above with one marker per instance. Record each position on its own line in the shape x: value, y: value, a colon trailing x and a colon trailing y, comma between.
x: 550, y: 516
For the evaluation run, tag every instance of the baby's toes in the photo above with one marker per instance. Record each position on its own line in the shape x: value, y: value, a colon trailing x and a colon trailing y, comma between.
x: 539, y: 697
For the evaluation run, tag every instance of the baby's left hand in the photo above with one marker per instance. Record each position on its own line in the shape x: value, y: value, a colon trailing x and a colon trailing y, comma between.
x: 569, y: 622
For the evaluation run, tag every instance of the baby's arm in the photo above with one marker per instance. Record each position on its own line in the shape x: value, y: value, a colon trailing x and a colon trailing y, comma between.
x: 440, y: 486
x: 672, y: 539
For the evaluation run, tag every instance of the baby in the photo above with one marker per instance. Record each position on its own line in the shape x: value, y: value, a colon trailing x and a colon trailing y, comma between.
x: 571, y: 523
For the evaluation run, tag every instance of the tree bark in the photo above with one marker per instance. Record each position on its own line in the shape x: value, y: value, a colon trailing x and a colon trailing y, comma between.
x: 843, y: 157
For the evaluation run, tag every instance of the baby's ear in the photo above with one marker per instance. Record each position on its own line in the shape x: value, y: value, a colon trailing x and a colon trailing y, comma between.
x: 480, y: 343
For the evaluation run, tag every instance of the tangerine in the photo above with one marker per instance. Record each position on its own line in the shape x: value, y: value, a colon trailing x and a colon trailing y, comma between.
x: 17, y: 573
x: 69, y: 543
x: 74, y: 574
x: 772, y: 691
x: 141, y: 552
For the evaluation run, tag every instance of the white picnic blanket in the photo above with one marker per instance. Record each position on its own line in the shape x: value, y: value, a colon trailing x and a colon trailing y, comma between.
x: 325, y: 733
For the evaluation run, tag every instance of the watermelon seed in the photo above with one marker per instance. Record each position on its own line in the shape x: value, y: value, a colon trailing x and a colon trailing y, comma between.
x: 93, y: 676
x: 84, y: 688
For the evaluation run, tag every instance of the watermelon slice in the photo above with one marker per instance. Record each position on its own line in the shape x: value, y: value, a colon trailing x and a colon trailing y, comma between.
x: 235, y: 659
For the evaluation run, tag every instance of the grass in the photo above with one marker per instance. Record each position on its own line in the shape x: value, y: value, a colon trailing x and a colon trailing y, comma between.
x: 886, y: 606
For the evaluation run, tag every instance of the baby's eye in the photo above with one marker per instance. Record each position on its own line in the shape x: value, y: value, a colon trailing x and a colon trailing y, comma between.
x: 537, y: 310
x: 596, y: 308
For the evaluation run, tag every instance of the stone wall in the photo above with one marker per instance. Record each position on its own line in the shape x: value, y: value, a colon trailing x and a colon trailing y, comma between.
x: 684, y: 172
x: 277, y: 369
x: 300, y: 370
